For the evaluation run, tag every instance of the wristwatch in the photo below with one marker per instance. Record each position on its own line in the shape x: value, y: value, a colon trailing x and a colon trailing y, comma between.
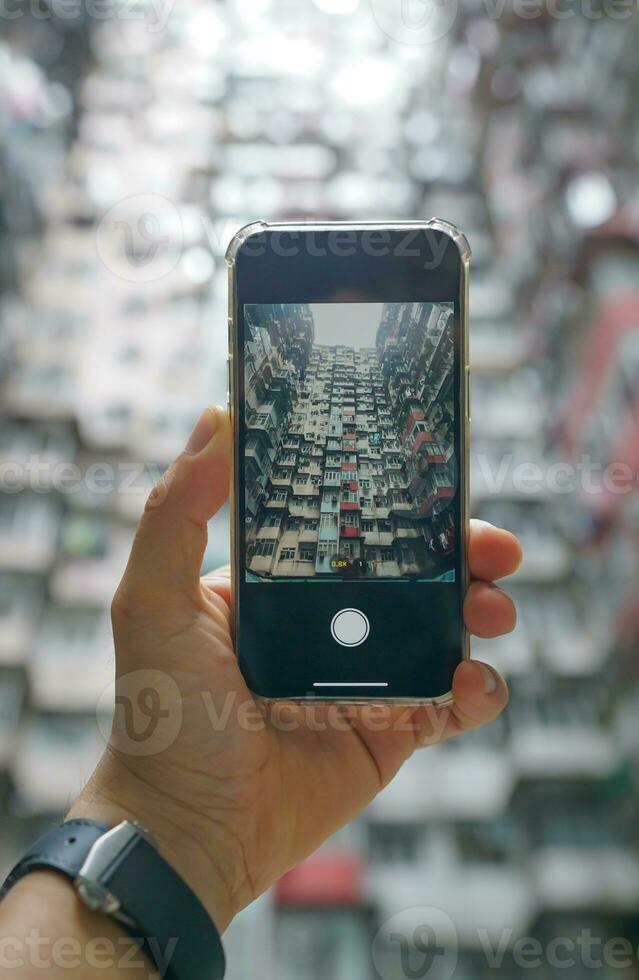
x: 120, y: 872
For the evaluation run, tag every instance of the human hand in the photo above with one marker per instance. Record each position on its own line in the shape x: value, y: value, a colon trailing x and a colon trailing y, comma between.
x: 241, y: 790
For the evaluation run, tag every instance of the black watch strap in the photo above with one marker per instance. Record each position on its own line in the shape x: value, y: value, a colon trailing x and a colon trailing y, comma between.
x: 62, y: 849
x: 120, y: 872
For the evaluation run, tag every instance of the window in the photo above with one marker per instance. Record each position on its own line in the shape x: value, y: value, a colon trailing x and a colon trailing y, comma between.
x: 349, y: 496
x: 287, y: 554
x: 349, y: 519
x: 368, y: 525
x: 306, y: 553
x: 274, y: 520
x: 327, y: 548
x: 265, y: 547
x: 386, y: 554
x: 278, y: 495
x: 310, y: 524
x: 328, y: 520
x: 348, y: 549
x: 384, y: 525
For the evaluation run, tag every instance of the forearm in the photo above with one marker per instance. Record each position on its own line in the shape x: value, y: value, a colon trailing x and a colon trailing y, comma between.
x: 46, y: 931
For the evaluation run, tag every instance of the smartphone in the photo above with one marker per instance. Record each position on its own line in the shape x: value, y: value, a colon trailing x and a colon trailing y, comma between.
x: 348, y: 392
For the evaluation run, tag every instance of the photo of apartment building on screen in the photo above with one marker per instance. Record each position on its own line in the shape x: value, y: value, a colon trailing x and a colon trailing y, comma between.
x: 349, y: 442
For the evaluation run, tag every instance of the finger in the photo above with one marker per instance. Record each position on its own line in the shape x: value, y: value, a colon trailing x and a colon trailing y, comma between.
x: 224, y: 571
x: 480, y: 694
x: 492, y: 551
x: 488, y: 611
x: 168, y: 549
x: 220, y: 584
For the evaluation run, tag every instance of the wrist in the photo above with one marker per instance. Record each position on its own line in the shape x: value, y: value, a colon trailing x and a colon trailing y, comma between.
x: 114, y: 794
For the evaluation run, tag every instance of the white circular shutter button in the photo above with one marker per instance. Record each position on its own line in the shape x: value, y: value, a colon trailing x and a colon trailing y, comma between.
x: 350, y: 627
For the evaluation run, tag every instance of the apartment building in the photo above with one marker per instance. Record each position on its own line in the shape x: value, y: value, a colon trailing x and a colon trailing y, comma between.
x: 349, y: 450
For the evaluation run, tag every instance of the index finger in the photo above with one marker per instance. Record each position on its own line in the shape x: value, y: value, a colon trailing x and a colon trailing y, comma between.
x: 492, y: 551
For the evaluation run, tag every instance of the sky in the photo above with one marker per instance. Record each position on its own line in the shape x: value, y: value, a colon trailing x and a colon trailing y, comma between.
x: 352, y: 324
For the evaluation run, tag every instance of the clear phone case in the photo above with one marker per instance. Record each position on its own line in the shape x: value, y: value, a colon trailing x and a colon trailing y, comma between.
x: 461, y: 242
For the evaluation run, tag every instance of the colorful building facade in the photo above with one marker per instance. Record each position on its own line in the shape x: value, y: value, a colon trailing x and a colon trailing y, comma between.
x: 350, y: 466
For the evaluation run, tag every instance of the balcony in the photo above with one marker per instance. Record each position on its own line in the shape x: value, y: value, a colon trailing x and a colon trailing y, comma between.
x: 307, y: 536
x: 260, y: 564
x: 348, y: 531
x: 371, y: 510
x: 407, y: 532
x: 402, y: 505
x: 383, y: 539
x: 270, y: 532
x: 304, y: 509
x: 271, y: 504
x: 265, y: 427
x: 305, y: 490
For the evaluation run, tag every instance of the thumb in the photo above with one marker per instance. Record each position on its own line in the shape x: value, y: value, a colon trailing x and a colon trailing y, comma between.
x: 169, y: 545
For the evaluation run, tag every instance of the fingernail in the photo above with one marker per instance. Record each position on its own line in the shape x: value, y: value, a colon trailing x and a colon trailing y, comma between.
x: 204, y: 430
x: 490, y: 679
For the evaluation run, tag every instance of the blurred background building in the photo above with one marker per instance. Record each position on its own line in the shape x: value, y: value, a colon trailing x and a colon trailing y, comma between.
x: 136, y: 138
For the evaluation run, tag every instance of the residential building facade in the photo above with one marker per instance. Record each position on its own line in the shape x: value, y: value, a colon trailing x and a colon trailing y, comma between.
x: 350, y: 466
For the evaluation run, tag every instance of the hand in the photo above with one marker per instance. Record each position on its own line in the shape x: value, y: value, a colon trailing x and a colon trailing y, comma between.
x: 243, y: 791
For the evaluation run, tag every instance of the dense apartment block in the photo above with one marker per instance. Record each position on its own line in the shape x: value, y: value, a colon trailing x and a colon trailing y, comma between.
x: 349, y: 450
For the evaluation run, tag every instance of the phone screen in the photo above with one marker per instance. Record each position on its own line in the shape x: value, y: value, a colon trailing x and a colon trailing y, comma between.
x: 349, y: 442
x: 349, y: 406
